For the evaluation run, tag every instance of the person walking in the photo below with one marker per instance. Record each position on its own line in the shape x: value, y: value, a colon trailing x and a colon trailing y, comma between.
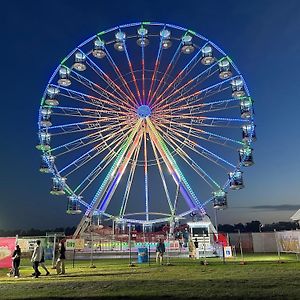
x: 192, y: 249
x: 60, y: 263
x: 36, y: 258
x: 160, y: 250
x: 42, y: 262
x: 196, y: 243
x: 16, y: 257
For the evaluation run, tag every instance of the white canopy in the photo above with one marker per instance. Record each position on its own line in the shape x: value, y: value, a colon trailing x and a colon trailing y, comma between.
x: 296, y: 216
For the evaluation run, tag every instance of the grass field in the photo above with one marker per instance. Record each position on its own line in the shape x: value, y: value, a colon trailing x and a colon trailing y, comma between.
x: 262, y: 277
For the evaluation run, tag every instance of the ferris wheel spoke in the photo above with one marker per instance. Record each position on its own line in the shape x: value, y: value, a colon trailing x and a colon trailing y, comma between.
x: 80, y: 143
x: 195, y: 133
x: 162, y: 177
x: 194, y: 97
x: 72, y: 145
x: 197, y: 108
x: 129, y: 180
x: 87, y: 99
x: 121, y: 77
x: 90, y: 125
x: 146, y: 176
x: 156, y: 66
x: 173, y: 168
x: 200, y: 171
x: 119, y: 173
x: 196, y: 101
x: 176, y: 54
x: 132, y: 75
x: 99, y: 168
x: 121, y: 94
x: 189, y: 86
x: 79, y: 164
x: 99, y: 148
x: 204, y: 152
x: 85, y: 184
x: 201, y: 120
x: 110, y: 176
x: 185, y: 143
x: 184, y: 72
x: 69, y: 146
x: 143, y: 75
x: 66, y: 112
x: 110, y: 97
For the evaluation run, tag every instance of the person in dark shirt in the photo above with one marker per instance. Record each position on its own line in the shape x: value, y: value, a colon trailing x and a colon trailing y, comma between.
x: 16, y: 257
x: 196, y: 244
x: 160, y: 250
x: 60, y: 263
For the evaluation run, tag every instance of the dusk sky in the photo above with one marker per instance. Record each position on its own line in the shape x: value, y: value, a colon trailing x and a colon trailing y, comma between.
x: 261, y: 36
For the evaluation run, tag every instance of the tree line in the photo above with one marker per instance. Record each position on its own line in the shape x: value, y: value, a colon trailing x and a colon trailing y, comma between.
x: 253, y: 226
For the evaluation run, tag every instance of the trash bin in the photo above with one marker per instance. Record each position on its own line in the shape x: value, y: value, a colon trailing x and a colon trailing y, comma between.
x: 142, y: 255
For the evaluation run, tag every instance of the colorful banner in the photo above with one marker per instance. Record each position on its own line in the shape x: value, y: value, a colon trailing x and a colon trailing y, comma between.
x: 288, y: 241
x: 7, y: 246
x: 75, y: 244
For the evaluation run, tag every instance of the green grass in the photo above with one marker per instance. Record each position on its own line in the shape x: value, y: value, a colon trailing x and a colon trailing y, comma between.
x: 262, y: 277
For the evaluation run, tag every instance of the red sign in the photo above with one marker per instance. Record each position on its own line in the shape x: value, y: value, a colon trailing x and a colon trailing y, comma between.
x: 7, y: 246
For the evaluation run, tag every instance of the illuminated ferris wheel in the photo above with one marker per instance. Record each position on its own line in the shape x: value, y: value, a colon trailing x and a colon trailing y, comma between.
x: 144, y: 123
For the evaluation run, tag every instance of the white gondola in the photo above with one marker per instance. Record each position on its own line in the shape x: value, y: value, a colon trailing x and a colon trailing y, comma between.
x: 51, y: 99
x: 237, y: 86
x: 236, y: 180
x: 99, y: 50
x: 79, y: 64
x: 47, y: 163
x: 64, y: 77
x: 187, y: 47
x: 207, y: 55
x: 246, y: 156
x: 224, y: 69
x: 142, y: 41
x: 120, y: 40
x: 246, y: 107
x: 165, y: 35
x: 73, y: 207
x: 45, y: 117
x: 45, y: 139
x: 248, y: 132
x: 220, y: 199
x: 58, y: 186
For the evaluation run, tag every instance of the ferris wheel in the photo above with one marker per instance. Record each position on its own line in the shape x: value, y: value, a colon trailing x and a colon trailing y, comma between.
x: 145, y: 122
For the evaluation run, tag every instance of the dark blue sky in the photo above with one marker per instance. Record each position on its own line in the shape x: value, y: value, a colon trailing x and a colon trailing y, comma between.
x: 262, y: 37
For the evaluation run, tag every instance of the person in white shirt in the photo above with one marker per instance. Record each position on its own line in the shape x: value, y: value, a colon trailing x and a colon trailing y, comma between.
x: 36, y: 258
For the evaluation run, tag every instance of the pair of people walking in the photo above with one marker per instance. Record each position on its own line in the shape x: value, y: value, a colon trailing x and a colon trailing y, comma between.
x: 38, y: 259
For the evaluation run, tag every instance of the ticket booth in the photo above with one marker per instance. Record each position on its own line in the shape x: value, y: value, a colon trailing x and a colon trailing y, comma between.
x: 204, y: 234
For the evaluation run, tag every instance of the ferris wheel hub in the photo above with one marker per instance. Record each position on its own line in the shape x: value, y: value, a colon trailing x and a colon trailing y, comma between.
x: 144, y: 111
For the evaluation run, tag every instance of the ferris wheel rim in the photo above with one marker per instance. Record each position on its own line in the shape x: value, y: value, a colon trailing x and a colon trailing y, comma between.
x: 56, y: 172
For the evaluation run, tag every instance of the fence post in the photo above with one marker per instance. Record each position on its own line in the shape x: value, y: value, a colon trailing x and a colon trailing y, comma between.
x: 168, y: 249
x: 277, y: 245
x: 92, y: 249
x: 241, y: 247
x: 204, y: 249
x: 129, y: 242
x: 53, y: 252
